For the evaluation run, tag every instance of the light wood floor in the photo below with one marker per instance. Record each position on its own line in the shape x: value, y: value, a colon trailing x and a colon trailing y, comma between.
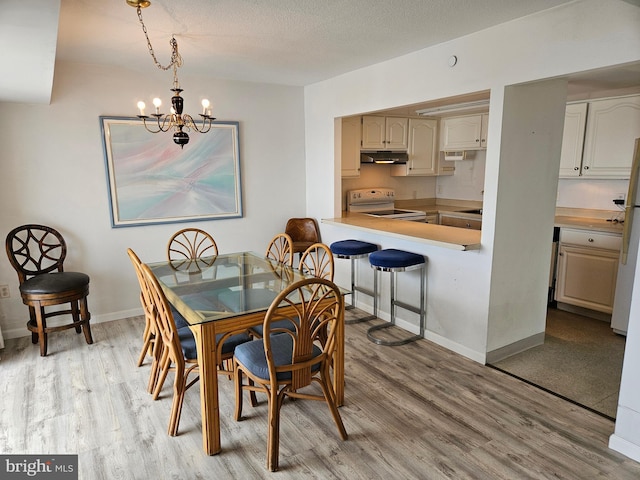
x: 416, y: 411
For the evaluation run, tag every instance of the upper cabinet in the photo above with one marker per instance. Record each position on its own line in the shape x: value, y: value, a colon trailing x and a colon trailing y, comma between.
x: 384, y: 133
x: 422, y: 150
x: 350, y: 147
x: 609, y: 133
x: 467, y: 132
x: 575, y: 120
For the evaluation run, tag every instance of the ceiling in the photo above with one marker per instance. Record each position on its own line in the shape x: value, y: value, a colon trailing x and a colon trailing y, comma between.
x: 290, y: 42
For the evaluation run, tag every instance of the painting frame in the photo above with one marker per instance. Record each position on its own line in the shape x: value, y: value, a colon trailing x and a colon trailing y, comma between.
x: 151, y: 180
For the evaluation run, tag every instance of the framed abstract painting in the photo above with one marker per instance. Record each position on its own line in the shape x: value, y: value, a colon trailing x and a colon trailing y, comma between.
x: 151, y: 180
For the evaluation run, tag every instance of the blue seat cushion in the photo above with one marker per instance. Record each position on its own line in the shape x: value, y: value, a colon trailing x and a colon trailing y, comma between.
x: 57, y: 282
x: 246, y: 300
x: 252, y: 356
x: 178, y: 319
x: 349, y: 248
x: 188, y: 342
x: 287, y: 324
x: 392, y: 258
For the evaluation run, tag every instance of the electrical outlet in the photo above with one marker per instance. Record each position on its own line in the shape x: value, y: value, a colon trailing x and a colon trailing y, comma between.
x: 4, y: 291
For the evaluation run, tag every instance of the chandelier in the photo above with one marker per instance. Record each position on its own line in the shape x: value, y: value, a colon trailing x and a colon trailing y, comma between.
x: 176, y: 120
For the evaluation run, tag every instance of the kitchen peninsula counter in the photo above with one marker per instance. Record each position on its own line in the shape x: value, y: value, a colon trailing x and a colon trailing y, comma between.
x: 438, y: 235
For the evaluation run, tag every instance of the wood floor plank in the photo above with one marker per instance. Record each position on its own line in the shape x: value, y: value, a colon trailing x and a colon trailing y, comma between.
x: 415, y: 411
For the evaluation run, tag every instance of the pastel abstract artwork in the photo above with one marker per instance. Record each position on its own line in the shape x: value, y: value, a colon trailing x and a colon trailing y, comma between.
x: 152, y: 180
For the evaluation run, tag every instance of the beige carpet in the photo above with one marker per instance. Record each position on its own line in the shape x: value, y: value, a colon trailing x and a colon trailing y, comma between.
x: 580, y: 360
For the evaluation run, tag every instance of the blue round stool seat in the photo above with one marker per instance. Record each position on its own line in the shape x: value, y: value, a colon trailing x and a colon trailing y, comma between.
x: 351, y: 248
x: 392, y: 258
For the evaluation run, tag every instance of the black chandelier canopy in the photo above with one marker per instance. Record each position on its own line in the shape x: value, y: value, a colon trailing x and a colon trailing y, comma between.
x: 176, y: 120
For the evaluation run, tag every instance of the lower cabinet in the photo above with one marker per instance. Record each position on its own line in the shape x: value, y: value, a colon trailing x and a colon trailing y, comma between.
x: 460, y: 220
x: 587, y: 269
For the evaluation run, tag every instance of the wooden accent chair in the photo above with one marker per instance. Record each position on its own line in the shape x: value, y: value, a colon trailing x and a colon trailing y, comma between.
x: 317, y: 260
x: 304, y: 232
x: 288, y: 360
x: 37, y: 253
x: 280, y: 249
x: 191, y: 246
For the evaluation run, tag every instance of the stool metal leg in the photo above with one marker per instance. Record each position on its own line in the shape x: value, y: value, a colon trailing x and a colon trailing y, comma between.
x: 355, y: 288
x: 396, y: 303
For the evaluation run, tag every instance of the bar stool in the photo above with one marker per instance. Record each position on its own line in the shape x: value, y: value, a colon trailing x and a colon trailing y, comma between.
x: 352, y: 250
x: 394, y: 261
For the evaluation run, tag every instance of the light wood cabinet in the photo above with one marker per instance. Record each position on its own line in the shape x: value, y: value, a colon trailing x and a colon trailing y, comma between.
x: 350, y: 147
x: 587, y: 269
x: 422, y: 150
x: 460, y: 220
x: 384, y: 133
x: 466, y: 132
x: 601, y: 146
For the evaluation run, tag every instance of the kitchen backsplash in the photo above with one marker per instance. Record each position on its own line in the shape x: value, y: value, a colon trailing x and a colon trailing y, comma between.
x: 468, y: 184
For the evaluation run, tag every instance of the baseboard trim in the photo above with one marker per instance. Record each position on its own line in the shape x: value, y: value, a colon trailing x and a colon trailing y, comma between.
x: 515, y: 347
x: 19, y: 332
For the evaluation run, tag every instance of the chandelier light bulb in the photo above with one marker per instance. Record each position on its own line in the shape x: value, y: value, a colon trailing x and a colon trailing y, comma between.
x: 205, y: 106
x: 141, y: 106
x: 157, y: 103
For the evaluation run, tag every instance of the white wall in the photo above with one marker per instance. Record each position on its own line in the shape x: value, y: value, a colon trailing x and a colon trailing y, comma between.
x: 53, y: 173
x: 576, y: 37
x: 591, y: 194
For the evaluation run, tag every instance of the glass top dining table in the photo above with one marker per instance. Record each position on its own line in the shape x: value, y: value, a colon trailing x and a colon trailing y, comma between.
x: 229, y: 293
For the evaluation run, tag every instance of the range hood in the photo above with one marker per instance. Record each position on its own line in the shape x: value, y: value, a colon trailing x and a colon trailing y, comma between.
x: 384, y: 157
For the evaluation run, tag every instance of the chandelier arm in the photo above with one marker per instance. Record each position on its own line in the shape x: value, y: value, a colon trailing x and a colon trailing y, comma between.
x: 191, y: 123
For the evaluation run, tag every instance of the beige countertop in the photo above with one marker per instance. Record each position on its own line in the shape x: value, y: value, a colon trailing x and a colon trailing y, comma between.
x: 438, y: 235
x: 464, y: 238
x: 589, y: 223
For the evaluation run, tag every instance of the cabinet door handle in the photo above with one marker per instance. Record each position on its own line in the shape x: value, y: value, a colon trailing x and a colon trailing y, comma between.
x: 575, y: 168
x: 477, y: 140
x: 586, y: 167
x: 590, y: 240
x: 561, y: 254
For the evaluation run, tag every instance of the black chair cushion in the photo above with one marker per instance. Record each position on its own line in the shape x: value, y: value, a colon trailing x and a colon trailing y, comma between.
x: 58, y: 282
x: 188, y: 342
x: 252, y: 356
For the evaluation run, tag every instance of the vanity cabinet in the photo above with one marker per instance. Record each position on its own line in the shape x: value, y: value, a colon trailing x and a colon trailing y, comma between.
x: 384, y: 133
x: 466, y: 132
x: 609, y: 133
x: 422, y: 150
x: 350, y: 147
x: 587, y: 269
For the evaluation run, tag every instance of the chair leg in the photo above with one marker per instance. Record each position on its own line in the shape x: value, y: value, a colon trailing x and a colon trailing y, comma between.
x: 179, y: 388
x: 147, y: 346
x: 86, y: 317
x: 42, y: 336
x: 273, y: 436
x: 165, y: 363
x: 75, y: 314
x: 237, y: 376
x: 330, y: 397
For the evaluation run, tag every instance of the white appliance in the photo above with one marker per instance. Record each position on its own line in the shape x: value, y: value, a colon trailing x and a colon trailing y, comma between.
x: 630, y: 245
x: 380, y: 202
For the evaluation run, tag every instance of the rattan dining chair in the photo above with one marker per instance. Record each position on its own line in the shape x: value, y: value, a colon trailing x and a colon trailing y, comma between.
x: 280, y: 249
x: 37, y: 253
x: 191, y: 246
x: 179, y: 352
x: 288, y: 360
x: 317, y: 260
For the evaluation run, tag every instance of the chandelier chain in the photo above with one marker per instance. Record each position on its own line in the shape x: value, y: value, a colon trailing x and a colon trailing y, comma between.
x: 176, y: 59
